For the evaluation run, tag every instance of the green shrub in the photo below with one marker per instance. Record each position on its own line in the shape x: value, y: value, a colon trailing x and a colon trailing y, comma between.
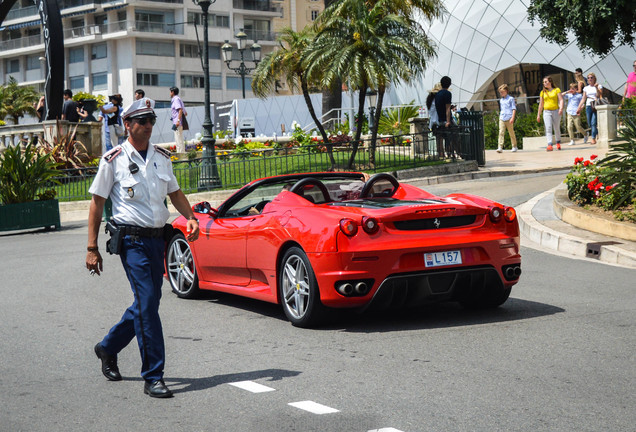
x: 22, y: 174
x: 394, y: 121
x: 621, y: 162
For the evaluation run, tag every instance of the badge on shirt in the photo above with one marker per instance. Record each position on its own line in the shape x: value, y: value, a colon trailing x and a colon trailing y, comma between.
x: 131, y: 192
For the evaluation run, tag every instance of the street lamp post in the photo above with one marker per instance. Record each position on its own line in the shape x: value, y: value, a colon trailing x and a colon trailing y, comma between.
x: 242, y: 69
x: 209, y: 170
x: 371, y: 98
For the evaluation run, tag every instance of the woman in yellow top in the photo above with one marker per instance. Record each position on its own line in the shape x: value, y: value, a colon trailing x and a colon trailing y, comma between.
x: 551, y: 105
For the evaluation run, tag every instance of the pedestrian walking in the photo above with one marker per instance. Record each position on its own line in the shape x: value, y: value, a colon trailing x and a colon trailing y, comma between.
x: 508, y: 111
x: 137, y: 176
x: 592, y: 93
x: 551, y: 105
x: 177, y: 113
x: 573, y: 119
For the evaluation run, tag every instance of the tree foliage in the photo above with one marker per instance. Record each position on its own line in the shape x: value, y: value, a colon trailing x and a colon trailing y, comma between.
x: 16, y: 100
x: 598, y: 25
x: 369, y: 45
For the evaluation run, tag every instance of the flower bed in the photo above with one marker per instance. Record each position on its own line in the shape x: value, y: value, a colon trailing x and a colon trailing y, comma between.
x: 590, y: 185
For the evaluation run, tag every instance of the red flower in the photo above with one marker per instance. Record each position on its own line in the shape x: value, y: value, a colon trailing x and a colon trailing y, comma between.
x: 593, y: 157
x: 578, y: 160
x: 609, y: 188
x: 586, y: 163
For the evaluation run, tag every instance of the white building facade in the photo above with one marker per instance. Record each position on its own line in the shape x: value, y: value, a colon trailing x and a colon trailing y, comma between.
x: 119, y: 46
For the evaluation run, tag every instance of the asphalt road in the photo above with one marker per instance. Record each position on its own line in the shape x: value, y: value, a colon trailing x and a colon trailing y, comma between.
x: 558, y: 356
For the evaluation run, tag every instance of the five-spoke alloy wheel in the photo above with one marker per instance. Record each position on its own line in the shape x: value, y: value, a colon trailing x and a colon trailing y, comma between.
x: 182, y: 272
x: 298, y: 289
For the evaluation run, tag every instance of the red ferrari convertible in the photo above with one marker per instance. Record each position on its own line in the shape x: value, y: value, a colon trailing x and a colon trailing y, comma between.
x: 333, y: 240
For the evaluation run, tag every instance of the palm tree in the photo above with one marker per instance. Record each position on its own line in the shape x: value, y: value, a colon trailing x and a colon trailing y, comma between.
x: 369, y: 48
x: 285, y: 63
x: 16, y: 101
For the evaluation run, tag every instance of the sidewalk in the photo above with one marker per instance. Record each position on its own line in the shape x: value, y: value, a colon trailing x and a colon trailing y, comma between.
x: 538, y: 220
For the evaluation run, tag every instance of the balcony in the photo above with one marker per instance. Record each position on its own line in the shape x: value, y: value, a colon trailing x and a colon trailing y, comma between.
x: 256, y: 5
x: 23, y: 42
x: 259, y: 35
x: 149, y: 27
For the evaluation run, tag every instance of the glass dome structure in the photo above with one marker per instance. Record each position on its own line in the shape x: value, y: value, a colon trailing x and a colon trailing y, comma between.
x: 479, y: 39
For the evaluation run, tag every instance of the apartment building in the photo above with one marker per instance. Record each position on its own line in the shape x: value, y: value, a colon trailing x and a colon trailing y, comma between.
x: 119, y: 46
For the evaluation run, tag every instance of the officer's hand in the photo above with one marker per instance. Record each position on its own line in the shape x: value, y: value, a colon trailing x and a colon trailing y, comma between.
x: 193, y: 230
x: 94, y: 262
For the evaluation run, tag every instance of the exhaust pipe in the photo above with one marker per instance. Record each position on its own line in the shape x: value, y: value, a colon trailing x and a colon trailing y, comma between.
x: 346, y: 289
x: 361, y: 288
x: 510, y: 273
x: 517, y: 271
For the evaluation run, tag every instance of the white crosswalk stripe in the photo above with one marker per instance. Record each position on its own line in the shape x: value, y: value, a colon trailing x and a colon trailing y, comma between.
x: 251, y: 386
x: 313, y: 407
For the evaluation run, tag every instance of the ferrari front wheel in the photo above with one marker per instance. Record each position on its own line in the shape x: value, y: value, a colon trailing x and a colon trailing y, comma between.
x: 298, y: 289
x: 180, y: 268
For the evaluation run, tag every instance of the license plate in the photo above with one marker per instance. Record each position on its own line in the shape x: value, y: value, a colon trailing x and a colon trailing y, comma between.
x: 437, y: 259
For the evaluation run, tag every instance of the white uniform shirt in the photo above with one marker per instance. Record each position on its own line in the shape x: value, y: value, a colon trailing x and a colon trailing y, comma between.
x: 137, y: 198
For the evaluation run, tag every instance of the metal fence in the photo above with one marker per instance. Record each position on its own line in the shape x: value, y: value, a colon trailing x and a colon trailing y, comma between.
x: 236, y: 168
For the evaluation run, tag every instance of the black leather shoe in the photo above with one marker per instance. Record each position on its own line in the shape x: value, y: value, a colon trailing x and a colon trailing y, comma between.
x: 157, y: 389
x: 109, y: 363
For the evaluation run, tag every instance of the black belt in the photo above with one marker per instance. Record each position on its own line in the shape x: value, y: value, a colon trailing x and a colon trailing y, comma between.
x: 141, y: 232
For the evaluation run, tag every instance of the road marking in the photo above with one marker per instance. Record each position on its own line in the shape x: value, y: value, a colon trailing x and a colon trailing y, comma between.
x: 251, y: 386
x: 313, y: 407
x: 389, y: 429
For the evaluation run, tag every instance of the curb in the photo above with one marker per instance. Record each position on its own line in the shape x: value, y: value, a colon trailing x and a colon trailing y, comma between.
x: 579, y: 217
x: 548, y: 238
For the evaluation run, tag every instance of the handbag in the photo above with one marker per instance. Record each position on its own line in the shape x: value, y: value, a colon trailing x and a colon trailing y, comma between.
x: 184, y: 123
x: 119, y: 130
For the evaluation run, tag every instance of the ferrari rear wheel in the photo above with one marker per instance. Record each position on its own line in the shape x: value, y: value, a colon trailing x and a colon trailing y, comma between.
x: 180, y: 267
x: 298, y: 289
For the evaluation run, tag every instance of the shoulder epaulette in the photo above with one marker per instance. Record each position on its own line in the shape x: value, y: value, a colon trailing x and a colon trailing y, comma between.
x: 164, y: 152
x: 112, y: 154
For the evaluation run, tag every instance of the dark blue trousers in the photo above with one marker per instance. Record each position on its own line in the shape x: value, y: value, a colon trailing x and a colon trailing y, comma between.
x: 142, y: 258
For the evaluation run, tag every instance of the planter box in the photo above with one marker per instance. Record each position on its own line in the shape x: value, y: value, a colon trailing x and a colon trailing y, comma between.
x: 34, y: 214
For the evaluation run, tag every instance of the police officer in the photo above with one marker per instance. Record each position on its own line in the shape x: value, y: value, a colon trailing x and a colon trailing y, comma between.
x: 137, y: 177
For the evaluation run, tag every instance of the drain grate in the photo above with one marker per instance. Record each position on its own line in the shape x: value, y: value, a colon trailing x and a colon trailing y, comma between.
x: 594, y: 249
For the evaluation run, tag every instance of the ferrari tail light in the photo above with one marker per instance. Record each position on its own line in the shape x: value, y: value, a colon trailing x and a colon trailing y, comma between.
x: 509, y: 214
x: 370, y: 225
x: 348, y: 227
x: 496, y: 213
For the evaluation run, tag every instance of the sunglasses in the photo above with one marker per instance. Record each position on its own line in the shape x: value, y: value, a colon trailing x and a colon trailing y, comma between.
x: 144, y: 120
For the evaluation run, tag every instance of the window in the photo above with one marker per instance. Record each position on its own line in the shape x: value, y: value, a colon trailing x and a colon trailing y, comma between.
x: 98, y: 51
x: 152, y: 21
x: 257, y: 29
x: 192, y: 81
x: 13, y: 66
x: 164, y: 49
x: 216, y: 82
x: 76, y: 83
x: 155, y: 79
x: 33, y: 62
x: 76, y: 55
x: 192, y: 51
x: 234, y: 83
x: 213, y: 20
x: 100, y: 81
x: 314, y: 14
x: 101, y: 19
x: 77, y: 23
